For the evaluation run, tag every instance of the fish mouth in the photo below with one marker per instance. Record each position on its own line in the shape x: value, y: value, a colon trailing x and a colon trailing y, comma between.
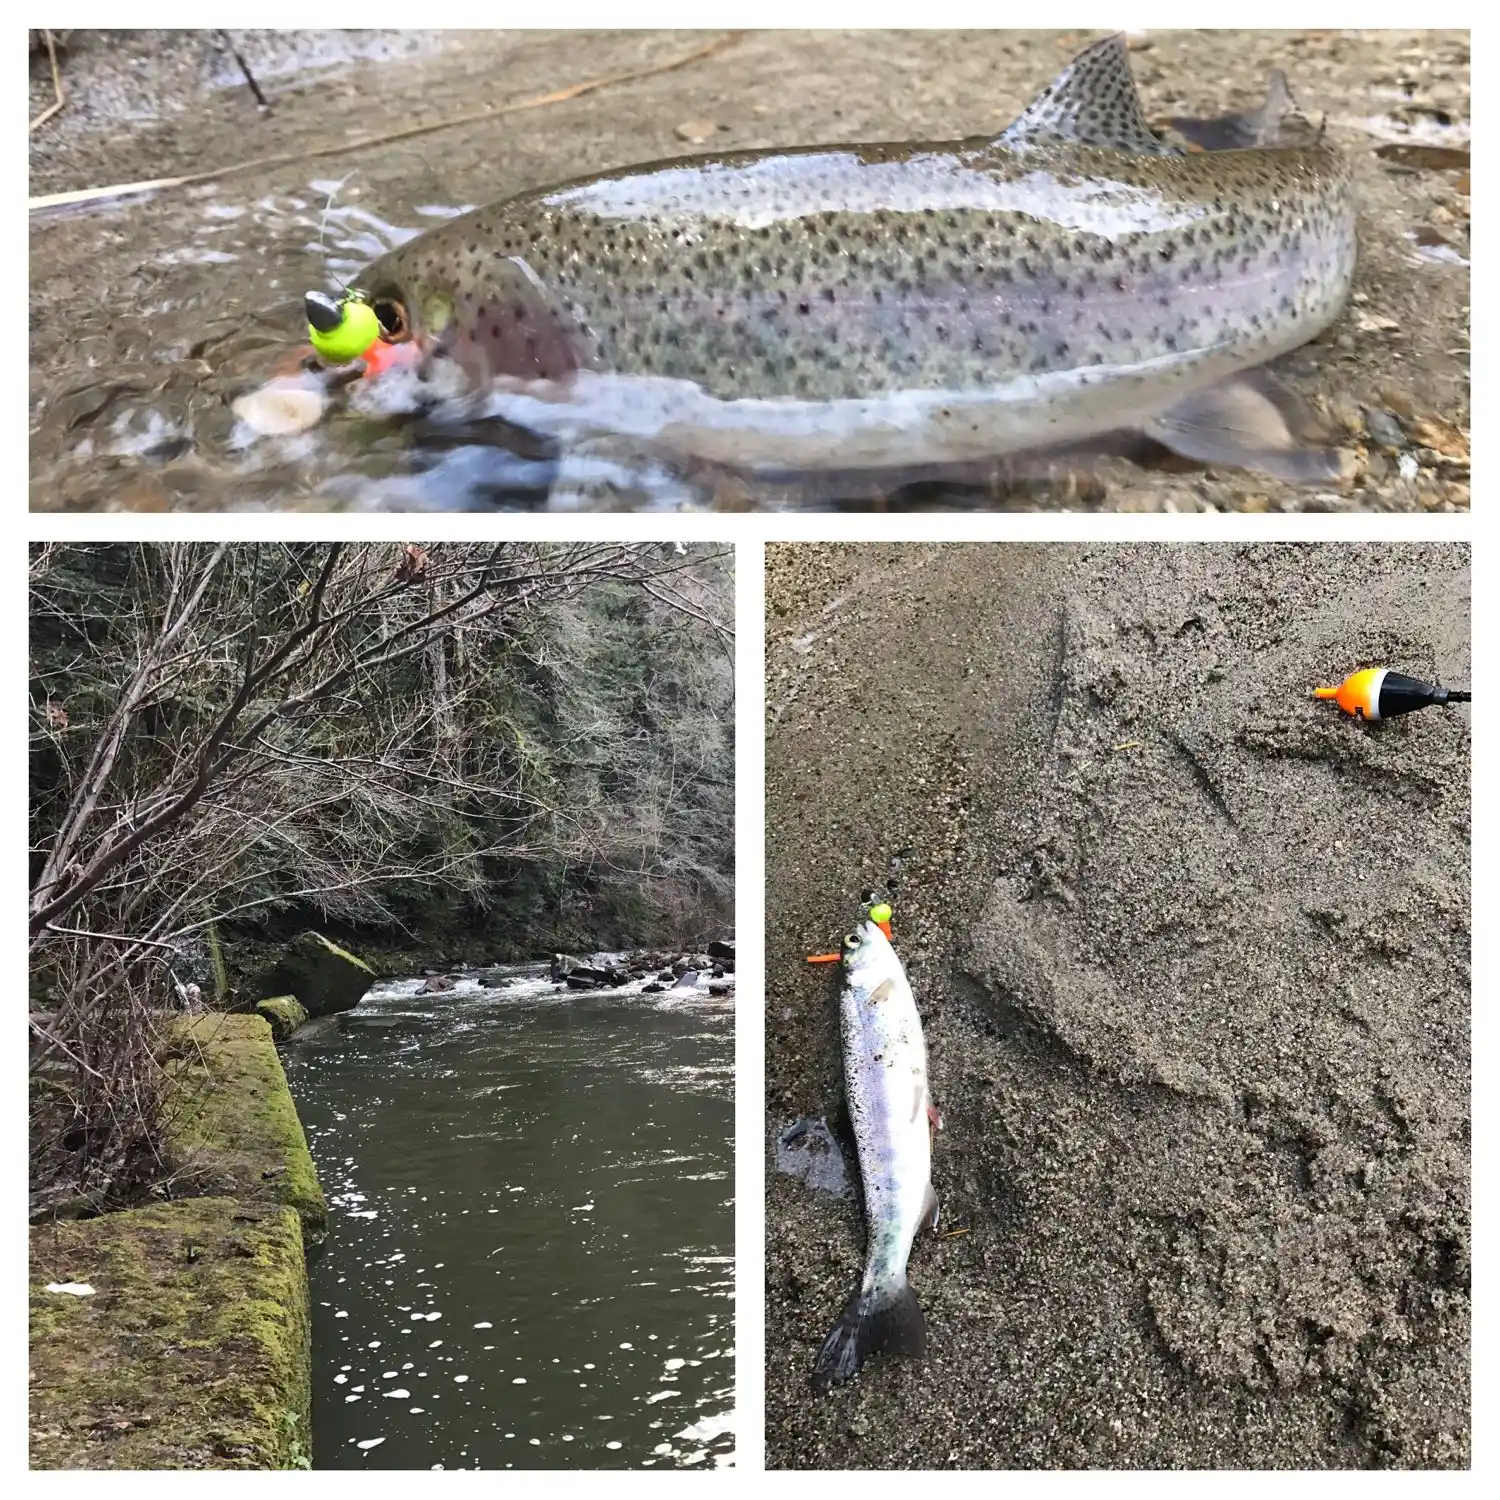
x: 394, y: 319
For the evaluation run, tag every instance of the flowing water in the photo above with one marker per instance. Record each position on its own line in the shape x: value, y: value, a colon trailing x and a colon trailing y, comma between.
x: 530, y: 1261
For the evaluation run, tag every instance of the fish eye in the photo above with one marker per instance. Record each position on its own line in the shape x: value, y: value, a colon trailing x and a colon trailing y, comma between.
x: 394, y: 326
x: 851, y: 941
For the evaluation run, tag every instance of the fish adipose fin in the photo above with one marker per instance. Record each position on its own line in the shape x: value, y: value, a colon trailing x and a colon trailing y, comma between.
x: 1240, y: 424
x: 1259, y: 127
x: 1092, y: 102
x: 871, y: 1323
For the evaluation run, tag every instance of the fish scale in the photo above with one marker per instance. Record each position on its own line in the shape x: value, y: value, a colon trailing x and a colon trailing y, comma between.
x: 898, y: 303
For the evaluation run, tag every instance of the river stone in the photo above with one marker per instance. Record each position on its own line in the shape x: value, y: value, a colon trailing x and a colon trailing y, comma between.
x: 720, y: 949
x: 563, y: 964
x: 285, y: 1013
x: 319, y: 973
x: 438, y: 984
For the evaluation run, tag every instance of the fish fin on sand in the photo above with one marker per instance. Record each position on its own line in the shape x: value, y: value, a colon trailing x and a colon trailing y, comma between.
x: 871, y: 1324
x: 1241, y: 424
x: 1092, y: 102
x: 1258, y: 127
x: 930, y: 1207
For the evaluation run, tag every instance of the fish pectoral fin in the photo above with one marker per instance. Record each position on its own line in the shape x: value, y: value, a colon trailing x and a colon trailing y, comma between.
x: 882, y: 991
x: 1238, y: 423
x: 930, y: 1207
x: 1092, y: 102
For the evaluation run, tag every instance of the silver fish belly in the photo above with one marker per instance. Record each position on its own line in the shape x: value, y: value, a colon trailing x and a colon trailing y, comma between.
x: 890, y: 1106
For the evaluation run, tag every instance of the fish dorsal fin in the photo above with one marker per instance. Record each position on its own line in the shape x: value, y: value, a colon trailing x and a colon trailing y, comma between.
x: 1092, y: 102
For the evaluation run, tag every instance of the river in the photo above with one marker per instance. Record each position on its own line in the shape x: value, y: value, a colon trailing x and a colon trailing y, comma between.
x: 530, y: 1257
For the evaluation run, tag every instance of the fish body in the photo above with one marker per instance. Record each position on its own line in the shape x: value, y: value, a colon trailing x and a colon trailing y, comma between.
x: 866, y: 306
x: 891, y: 1108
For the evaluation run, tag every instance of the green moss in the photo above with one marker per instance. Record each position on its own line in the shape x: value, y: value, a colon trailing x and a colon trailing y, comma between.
x: 231, y: 1128
x: 194, y: 1352
x: 284, y: 1013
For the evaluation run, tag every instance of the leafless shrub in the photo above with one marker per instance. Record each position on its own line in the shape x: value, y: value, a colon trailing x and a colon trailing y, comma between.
x: 223, y: 730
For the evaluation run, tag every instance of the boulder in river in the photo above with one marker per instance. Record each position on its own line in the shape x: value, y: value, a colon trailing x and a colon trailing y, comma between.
x: 656, y: 987
x: 438, y: 984
x: 720, y: 949
x: 285, y: 1013
x: 324, y: 977
x: 686, y: 980
x: 563, y: 964
x: 721, y: 987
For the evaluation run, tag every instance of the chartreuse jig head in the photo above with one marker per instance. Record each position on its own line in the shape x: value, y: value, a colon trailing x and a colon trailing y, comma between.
x: 879, y: 912
x: 341, y: 330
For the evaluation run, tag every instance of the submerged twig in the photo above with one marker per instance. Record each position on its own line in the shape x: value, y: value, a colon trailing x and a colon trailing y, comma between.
x: 59, y: 98
x: 557, y: 96
x: 234, y: 52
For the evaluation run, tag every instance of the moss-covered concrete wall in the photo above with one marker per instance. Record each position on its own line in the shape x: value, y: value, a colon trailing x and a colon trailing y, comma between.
x: 232, y: 1129
x: 192, y: 1349
x: 193, y: 1352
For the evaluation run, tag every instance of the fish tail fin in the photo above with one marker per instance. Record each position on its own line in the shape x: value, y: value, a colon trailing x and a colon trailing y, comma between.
x: 884, y: 1321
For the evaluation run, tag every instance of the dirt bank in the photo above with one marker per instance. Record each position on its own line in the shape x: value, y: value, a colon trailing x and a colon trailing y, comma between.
x: 148, y: 317
x: 1193, y: 957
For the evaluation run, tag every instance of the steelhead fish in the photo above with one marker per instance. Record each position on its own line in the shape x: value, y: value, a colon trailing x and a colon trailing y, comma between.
x: 890, y: 1105
x: 898, y: 305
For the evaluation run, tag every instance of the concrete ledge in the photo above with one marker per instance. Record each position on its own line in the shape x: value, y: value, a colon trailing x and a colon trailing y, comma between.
x: 193, y: 1351
x: 233, y: 1130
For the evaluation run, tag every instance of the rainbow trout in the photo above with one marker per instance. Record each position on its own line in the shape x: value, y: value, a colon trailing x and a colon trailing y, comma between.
x: 880, y: 306
x: 885, y: 1083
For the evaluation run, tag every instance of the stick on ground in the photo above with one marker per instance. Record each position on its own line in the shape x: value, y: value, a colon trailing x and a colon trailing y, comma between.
x: 558, y: 96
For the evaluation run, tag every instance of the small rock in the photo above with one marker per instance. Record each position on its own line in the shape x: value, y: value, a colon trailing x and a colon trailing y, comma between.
x: 282, y: 407
x: 1442, y: 437
x: 1384, y: 428
x: 696, y: 131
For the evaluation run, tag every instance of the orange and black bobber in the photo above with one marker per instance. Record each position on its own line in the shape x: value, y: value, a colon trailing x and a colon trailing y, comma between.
x: 1379, y: 693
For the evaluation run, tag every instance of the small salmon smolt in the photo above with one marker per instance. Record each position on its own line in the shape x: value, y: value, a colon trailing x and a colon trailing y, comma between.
x: 891, y: 1110
x: 891, y: 306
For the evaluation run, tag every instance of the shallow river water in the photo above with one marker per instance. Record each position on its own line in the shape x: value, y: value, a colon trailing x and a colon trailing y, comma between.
x: 530, y: 1257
